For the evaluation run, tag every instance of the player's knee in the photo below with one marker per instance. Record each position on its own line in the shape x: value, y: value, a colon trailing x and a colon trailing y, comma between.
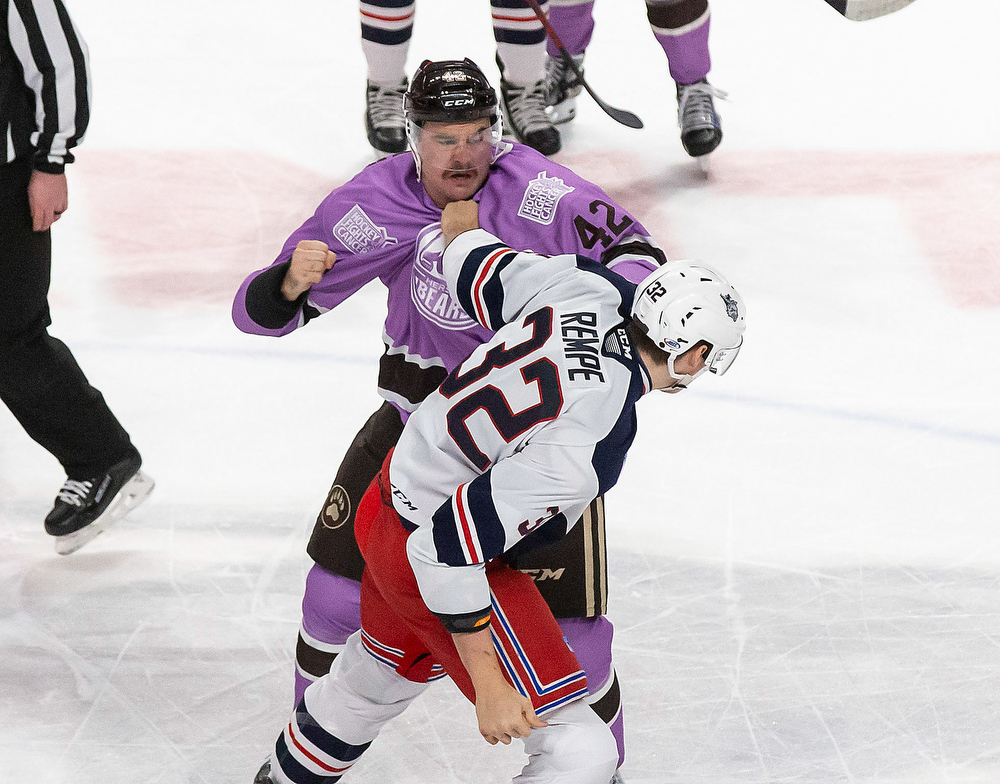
x: 331, y: 609
x: 580, y: 747
x: 594, y: 751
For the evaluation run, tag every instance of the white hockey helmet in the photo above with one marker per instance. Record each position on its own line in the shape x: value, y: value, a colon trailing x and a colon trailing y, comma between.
x: 684, y: 302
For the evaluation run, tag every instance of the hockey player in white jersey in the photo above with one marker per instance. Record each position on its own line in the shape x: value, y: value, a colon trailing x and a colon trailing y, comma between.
x: 505, y: 455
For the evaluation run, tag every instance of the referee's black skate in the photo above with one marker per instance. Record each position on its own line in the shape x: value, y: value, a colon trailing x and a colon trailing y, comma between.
x: 85, y: 508
x: 701, y: 129
x: 384, y: 123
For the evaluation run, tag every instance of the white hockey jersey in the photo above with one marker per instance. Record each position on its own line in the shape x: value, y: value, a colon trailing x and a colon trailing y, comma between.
x: 529, y: 429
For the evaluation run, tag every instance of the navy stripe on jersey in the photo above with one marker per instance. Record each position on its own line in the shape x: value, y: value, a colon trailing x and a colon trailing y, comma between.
x: 293, y: 770
x: 518, y: 37
x: 609, y: 454
x: 479, y: 495
x: 473, y: 295
x: 387, y: 37
x: 490, y: 293
x: 445, y: 530
x: 466, y: 528
x: 323, y: 740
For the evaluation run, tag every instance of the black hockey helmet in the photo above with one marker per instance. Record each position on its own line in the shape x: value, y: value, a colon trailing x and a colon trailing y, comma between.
x: 450, y: 91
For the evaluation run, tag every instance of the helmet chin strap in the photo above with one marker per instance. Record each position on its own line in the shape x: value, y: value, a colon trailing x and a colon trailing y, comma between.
x: 683, y: 381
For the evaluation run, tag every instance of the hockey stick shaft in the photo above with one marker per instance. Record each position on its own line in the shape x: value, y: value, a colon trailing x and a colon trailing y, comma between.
x: 618, y: 115
x: 860, y: 10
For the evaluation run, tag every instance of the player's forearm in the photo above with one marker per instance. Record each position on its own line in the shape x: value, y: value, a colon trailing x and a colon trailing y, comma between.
x: 259, y: 307
x: 476, y: 651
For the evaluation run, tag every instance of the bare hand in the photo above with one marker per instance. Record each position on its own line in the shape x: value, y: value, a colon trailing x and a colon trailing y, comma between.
x: 48, y: 198
x: 459, y: 216
x: 505, y: 714
x: 310, y: 259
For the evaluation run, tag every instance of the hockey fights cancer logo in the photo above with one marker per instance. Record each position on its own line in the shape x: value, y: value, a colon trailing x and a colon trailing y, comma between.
x: 428, y: 288
x: 541, y: 198
x: 359, y: 234
x: 337, y: 509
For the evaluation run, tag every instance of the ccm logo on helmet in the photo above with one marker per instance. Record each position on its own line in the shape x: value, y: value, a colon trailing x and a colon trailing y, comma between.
x: 464, y: 100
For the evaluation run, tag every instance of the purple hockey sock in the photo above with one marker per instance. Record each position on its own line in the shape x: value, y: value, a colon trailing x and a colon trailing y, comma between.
x: 687, y: 51
x: 574, y: 24
x: 331, y: 612
x: 590, y: 639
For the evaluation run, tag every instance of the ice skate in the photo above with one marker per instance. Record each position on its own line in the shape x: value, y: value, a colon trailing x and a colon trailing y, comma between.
x: 384, y: 122
x: 562, y: 86
x: 85, y: 508
x: 701, y: 129
x: 524, y: 114
x: 264, y: 774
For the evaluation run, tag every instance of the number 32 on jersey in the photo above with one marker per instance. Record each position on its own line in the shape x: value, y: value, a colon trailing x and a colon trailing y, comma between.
x: 502, y: 362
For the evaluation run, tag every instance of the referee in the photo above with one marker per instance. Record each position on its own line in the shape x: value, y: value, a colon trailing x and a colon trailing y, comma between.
x: 44, y: 111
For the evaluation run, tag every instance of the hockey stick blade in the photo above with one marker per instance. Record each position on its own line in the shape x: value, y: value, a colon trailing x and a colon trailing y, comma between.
x: 622, y: 116
x: 860, y: 10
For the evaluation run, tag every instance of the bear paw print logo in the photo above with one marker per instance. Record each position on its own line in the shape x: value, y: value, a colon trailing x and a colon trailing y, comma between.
x: 337, y: 508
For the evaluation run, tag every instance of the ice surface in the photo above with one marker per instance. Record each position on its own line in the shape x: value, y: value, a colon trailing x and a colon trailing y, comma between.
x: 805, y: 554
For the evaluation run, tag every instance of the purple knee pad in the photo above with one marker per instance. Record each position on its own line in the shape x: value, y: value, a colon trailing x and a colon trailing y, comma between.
x: 331, y: 606
x: 331, y: 612
x: 590, y: 639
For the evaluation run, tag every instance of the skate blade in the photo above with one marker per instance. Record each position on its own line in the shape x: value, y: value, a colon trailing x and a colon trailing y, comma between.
x: 704, y: 163
x: 133, y: 492
x: 562, y: 112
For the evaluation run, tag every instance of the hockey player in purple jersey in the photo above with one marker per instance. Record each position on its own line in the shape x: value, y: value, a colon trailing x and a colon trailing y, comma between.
x: 509, y: 449
x: 386, y: 224
x: 681, y: 28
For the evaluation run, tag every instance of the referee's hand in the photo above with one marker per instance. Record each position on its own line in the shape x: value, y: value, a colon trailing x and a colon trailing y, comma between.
x: 48, y: 199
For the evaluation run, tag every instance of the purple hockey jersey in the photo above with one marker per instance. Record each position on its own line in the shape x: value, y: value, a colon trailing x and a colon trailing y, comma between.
x: 382, y: 224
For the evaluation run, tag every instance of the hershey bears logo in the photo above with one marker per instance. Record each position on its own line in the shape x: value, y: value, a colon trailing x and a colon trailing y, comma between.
x: 337, y: 508
x: 428, y: 288
x: 732, y: 308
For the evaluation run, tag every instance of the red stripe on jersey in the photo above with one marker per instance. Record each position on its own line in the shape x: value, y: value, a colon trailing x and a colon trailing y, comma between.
x: 402, y: 18
x: 481, y: 281
x: 524, y: 19
x: 312, y: 757
x: 463, y: 518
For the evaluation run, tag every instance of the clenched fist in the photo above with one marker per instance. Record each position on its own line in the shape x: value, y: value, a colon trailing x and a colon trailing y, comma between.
x: 459, y: 216
x: 310, y: 259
